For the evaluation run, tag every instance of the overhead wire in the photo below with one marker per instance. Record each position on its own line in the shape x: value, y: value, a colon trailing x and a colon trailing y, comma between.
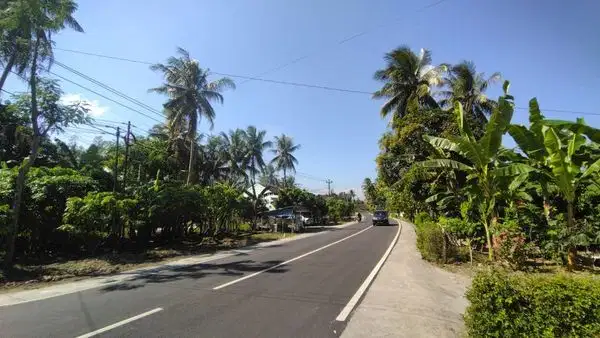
x: 109, y: 88
x: 104, y: 96
x: 298, y: 84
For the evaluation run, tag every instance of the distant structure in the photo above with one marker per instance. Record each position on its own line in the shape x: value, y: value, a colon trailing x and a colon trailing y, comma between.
x: 265, y: 193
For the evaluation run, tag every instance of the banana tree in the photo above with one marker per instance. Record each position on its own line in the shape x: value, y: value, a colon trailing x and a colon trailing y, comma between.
x: 553, y: 147
x: 480, y: 160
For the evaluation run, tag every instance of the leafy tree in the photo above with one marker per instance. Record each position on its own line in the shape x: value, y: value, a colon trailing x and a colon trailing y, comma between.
x: 27, y: 32
x: 407, y: 79
x: 479, y: 158
x: 554, y: 148
x: 284, y: 154
x: 47, y: 115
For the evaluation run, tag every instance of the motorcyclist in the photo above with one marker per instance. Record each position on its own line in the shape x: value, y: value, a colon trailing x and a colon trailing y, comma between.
x: 359, y: 216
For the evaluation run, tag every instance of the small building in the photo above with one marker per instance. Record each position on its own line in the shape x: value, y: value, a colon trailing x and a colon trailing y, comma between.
x: 265, y: 193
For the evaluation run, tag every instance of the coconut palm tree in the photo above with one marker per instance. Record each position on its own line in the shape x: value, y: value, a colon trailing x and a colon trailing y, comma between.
x: 284, y: 155
x: 256, y: 145
x: 235, y: 142
x: 190, y: 96
x: 468, y: 87
x: 269, y: 177
x: 407, y: 79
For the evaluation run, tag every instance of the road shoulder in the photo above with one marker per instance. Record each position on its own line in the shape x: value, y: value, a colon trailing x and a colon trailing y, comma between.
x: 18, y: 297
x: 410, y: 297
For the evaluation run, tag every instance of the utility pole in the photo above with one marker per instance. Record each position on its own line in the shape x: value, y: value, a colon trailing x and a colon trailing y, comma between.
x: 115, y: 174
x: 116, y: 183
x: 125, y: 162
x: 328, y: 181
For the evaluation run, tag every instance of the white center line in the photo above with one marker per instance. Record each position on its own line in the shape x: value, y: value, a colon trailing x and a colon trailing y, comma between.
x: 123, y: 322
x: 363, y: 287
x: 288, y: 261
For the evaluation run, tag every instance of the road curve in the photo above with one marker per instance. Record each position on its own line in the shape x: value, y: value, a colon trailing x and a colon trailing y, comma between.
x: 293, y: 290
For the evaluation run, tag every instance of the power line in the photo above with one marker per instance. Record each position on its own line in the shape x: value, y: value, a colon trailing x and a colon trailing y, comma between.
x: 109, y: 88
x: 561, y: 111
x: 340, y: 42
x: 7, y: 92
x: 104, y: 96
x: 300, y: 84
x: 253, y: 78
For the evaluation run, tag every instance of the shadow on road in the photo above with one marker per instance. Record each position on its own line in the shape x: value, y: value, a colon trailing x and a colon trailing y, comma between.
x: 196, y: 271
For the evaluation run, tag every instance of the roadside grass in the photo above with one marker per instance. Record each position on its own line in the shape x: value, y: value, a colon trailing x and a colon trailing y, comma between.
x: 271, y: 236
x: 31, y: 273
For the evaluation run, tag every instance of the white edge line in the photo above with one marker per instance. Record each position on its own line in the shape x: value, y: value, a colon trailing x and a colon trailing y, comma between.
x: 123, y: 322
x: 363, y: 287
x: 289, y: 261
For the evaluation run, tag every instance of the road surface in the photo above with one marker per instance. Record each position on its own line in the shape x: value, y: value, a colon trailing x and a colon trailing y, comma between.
x: 293, y: 290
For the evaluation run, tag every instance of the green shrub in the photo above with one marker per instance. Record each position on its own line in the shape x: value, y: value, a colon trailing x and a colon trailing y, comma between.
x: 421, y: 218
x: 245, y: 227
x: 432, y: 244
x: 519, y: 305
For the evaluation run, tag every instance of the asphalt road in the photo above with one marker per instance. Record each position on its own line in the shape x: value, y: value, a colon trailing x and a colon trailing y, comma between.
x: 300, y: 298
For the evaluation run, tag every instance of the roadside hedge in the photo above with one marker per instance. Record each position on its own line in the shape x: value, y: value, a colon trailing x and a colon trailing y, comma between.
x: 520, y: 305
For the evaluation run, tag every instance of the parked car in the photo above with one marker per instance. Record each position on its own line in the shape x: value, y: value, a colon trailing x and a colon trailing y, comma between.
x: 380, y: 217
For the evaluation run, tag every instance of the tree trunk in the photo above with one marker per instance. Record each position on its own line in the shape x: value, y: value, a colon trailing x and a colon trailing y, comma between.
x: 284, y: 178
x: 190, y: 165
x: 7, y: 69
x: 488, y: 238
x: 27, y: 163
x: 572, y: 249
x: 254, y: 196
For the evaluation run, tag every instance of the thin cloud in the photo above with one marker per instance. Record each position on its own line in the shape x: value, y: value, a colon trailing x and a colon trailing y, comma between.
x: 94, y: 106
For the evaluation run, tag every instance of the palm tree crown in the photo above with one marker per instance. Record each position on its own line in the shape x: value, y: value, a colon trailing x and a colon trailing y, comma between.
x: 468, y: 87
x: 284, y: 158
x: 255, y: 141
x: 190, y: 92
x: 408, y: 79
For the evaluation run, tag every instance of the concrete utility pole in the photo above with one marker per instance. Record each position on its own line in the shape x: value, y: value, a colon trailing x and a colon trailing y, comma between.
x: 116, y: 231
x: 125, y: 162
x: 328, y: 181
x: 115, y: 174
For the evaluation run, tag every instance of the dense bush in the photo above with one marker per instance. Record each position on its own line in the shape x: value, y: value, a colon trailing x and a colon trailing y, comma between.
x: 89, y: 220
x: 45, y: 199
x: 432, y: 242
x: 518, y: 305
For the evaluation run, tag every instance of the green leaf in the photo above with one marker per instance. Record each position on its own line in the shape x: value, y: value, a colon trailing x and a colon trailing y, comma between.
x: 441, y: 143
x: 496, y: 127
x: 592, y: 169
x: 513, y: 169
x: 574, y: 144
x: 527, y: 141
x: 505, y: 87
x: 535, y: 115
x: 517, y: 181
x: 444, y: 163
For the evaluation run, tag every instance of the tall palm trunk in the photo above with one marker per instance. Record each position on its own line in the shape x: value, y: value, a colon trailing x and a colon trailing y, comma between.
x: 284, y: 178
x: 190, y: 164
x: 7, y: 69
x: 27, y: 163
x: 253, y: 180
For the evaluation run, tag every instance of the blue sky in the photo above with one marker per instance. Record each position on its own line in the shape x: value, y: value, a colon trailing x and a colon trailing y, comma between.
x: 549, y: 49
